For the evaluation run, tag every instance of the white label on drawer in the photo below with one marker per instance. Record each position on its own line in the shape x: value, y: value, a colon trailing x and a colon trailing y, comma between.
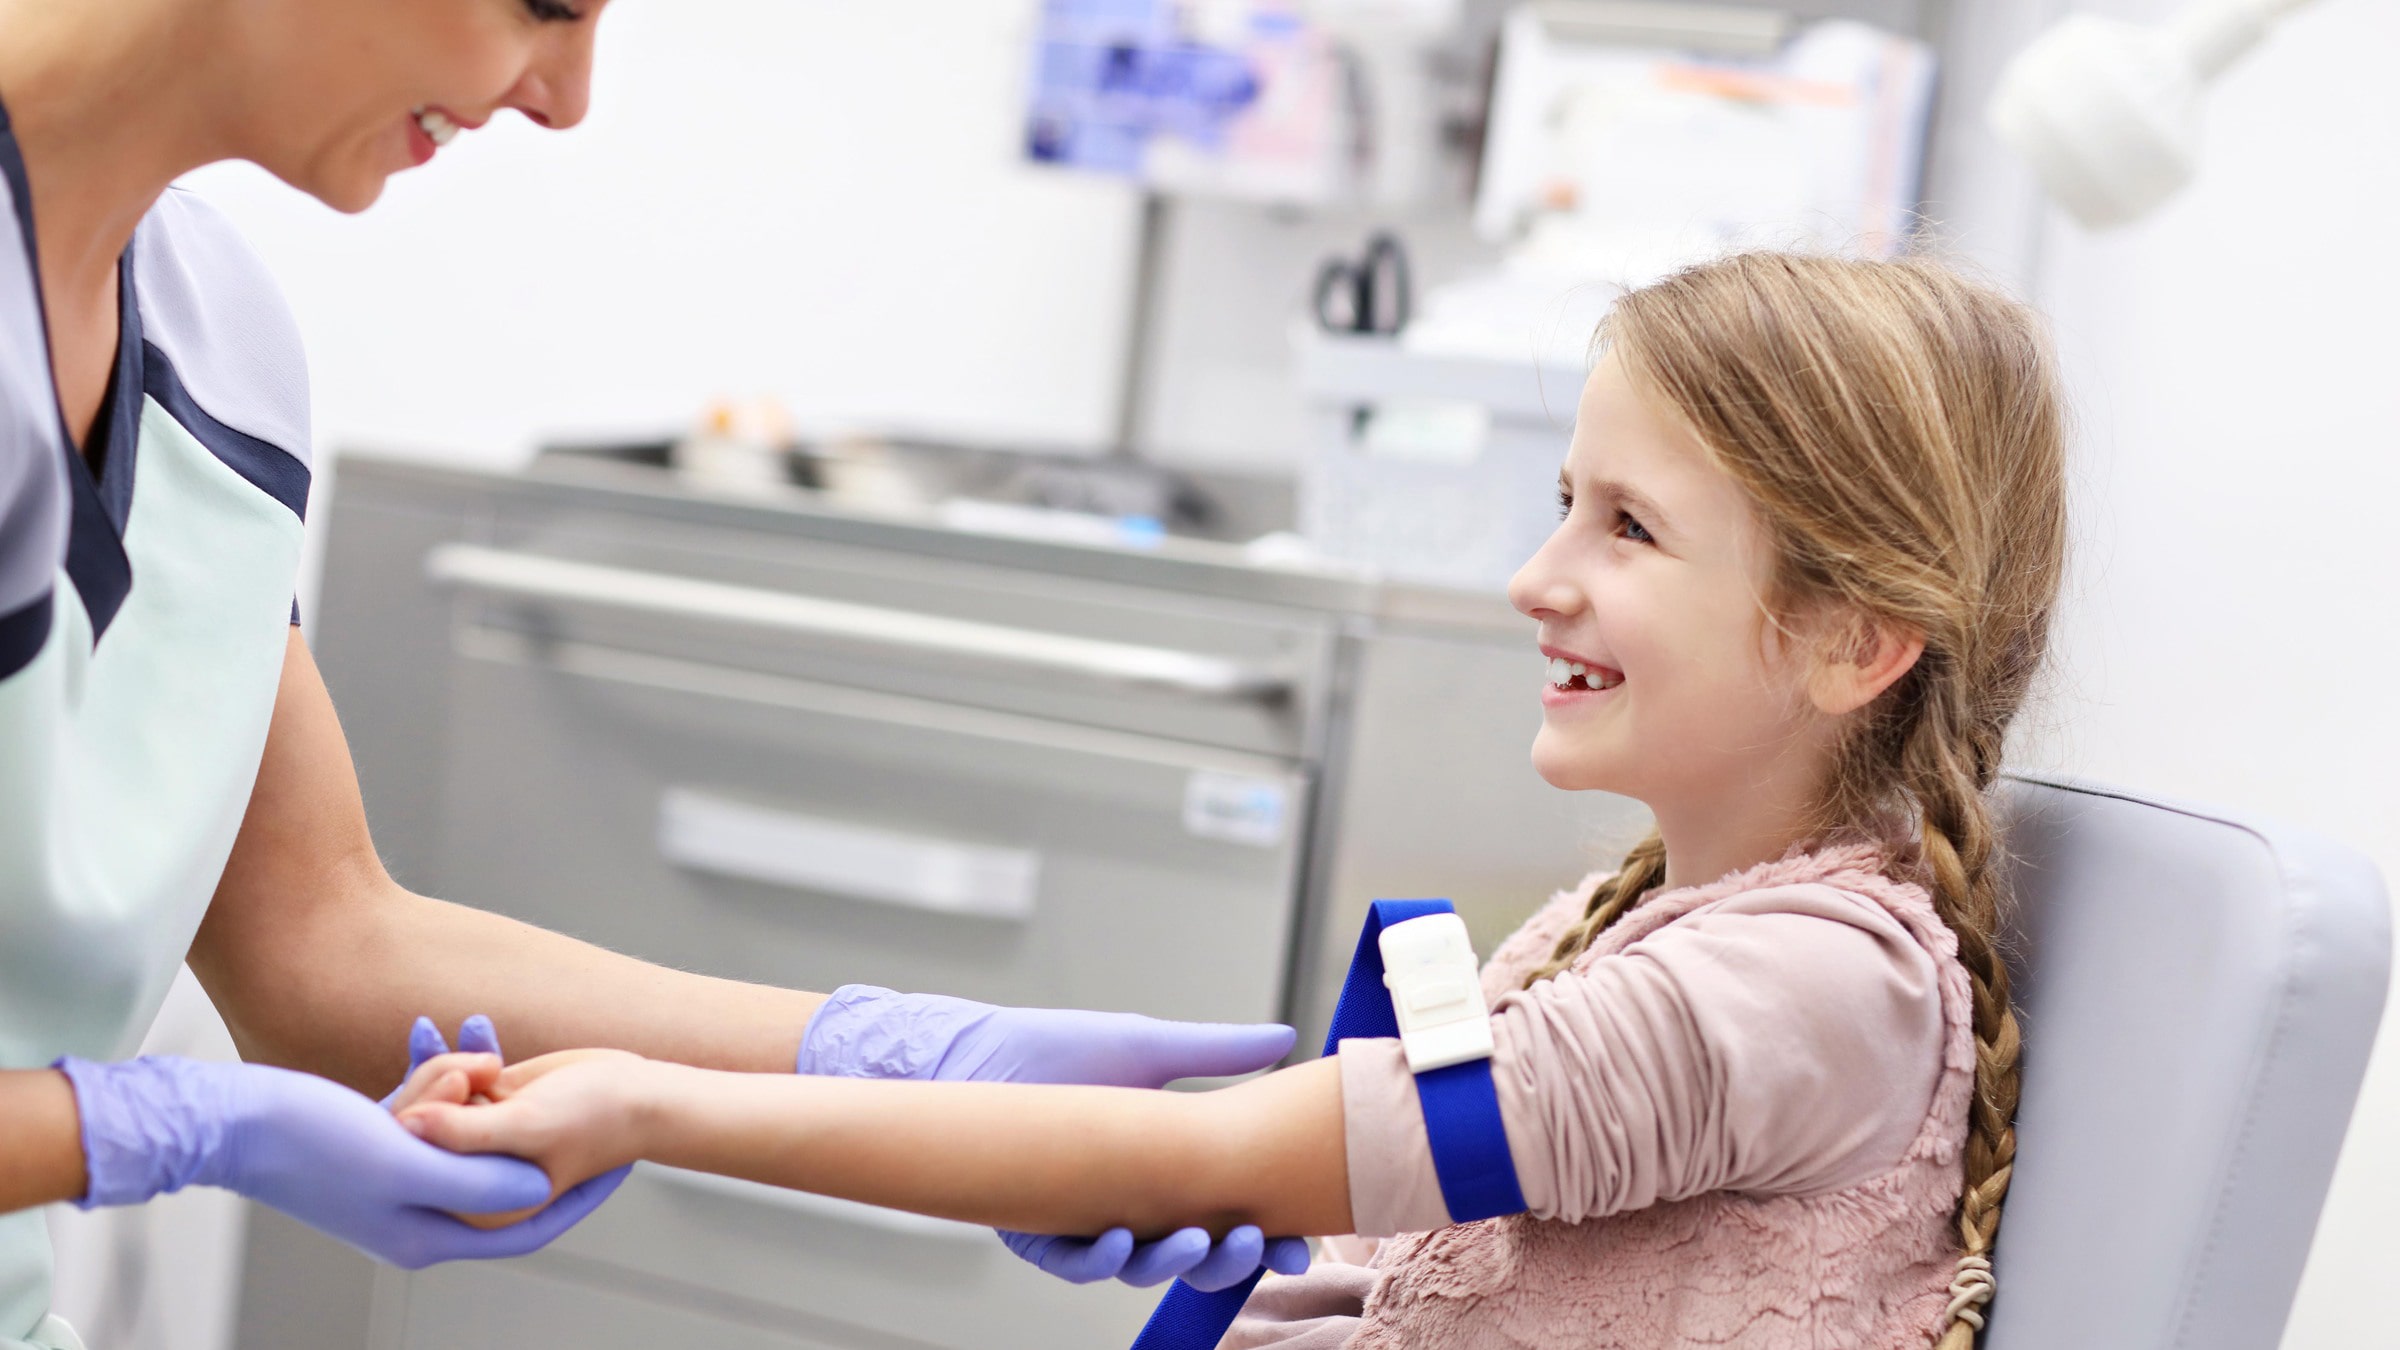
x: 1236, y: 808
x: 703, y: 831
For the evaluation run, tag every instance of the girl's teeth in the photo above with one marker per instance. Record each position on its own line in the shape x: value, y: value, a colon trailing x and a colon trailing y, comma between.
x: 1573, y: 674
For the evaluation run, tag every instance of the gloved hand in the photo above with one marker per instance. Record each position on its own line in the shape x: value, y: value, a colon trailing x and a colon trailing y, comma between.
x: 476, y: 1036
x: 307, y: 1146
x: 866, y: 1032
x: 1188, y: 1253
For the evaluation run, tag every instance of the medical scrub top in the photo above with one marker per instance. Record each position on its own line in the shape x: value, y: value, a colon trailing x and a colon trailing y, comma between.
x: 144, y: 612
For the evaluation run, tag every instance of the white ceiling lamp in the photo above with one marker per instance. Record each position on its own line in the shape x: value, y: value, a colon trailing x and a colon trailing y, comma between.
x: 2108, y: 112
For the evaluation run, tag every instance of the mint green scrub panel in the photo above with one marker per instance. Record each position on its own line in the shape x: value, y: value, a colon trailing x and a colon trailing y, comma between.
x: 144, y: 614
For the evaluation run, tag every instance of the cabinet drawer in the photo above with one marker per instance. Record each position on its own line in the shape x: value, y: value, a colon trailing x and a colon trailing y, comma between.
x: 666, y: 1265
x: 1069, y: 649
x: 487, y: 1306
x: 768, y: 828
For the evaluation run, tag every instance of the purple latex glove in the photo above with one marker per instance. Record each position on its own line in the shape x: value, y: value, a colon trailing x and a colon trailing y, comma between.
x: 476, y: 1036
x: 866, y: 1032
x: 307, y: 1146
x: 1202, y: 1263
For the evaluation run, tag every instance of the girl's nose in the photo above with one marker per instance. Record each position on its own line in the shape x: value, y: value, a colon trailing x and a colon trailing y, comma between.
x: 1544, y: 586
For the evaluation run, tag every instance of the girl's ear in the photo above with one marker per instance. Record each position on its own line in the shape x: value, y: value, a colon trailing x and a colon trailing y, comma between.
x: 1866, y: 656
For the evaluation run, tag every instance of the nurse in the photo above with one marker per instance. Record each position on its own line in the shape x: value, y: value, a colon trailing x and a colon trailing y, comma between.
x: 173, y: 783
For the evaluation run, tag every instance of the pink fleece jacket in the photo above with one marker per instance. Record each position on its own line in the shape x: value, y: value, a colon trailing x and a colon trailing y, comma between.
x: 1738, y: 1121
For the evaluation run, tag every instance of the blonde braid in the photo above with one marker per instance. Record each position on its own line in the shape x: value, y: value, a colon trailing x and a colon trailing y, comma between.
x: 1948, y: 763
x: 1644, y: 868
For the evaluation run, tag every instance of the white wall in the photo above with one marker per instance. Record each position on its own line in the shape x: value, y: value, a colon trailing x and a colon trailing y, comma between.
x: 818, y: 200
x: 2235, y: 628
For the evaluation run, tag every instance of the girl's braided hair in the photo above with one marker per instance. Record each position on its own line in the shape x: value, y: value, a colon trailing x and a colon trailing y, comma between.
x: 1900, y: 433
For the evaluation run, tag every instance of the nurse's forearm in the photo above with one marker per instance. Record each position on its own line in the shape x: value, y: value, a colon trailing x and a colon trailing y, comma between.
x: 548, y: 992
x: 41, y: 1140
x: 1034, y: 1158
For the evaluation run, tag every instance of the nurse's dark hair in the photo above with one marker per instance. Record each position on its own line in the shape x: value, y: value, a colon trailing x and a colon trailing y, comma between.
x: 1899, y: 431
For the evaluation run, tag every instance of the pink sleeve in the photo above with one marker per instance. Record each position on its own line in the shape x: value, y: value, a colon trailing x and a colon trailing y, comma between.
x: 1318, y: 1310
x: 1785, y: 1040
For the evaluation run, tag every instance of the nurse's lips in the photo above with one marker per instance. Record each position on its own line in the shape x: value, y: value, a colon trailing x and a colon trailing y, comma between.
x: 420, y: 145
x: 433, y: 126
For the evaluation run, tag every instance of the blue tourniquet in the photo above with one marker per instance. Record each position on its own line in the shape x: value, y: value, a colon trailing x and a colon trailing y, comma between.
x: 1462, y: 1122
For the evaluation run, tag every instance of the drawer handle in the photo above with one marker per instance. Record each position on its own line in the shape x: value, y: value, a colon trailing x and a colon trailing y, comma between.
x: 709, y: 833
x: 530, y: 576
x: 817, y: 1206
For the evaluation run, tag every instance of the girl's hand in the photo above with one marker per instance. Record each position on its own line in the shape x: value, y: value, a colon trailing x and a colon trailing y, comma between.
x: 461, y: 1079
x: 574, y: 1114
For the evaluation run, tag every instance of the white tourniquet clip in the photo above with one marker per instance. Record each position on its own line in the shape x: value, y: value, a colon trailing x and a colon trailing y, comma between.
x: 1437, y: 992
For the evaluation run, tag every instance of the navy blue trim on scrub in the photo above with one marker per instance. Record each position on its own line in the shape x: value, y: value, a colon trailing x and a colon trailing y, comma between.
x: 118, y: 428
x: 96, y: 560
x: 23, y: 633
x: 270, y: 468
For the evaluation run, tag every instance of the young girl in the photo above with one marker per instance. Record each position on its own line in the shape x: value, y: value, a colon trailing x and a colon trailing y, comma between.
x: 1758, y: 1083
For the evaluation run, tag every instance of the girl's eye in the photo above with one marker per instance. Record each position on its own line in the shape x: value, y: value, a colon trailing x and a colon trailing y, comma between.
x: 1632, y: 529
x: 553, y: 11
x: 1566, y: 503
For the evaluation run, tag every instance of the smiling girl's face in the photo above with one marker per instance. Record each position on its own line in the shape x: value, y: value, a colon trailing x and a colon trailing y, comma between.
x: 1653, y: 583
x: 368, y: 73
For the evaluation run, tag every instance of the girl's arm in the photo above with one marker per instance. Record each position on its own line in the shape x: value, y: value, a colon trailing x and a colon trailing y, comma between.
x: 1036, y: 1158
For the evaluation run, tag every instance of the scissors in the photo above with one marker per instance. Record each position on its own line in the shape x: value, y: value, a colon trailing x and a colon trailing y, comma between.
x: 1369, y: 295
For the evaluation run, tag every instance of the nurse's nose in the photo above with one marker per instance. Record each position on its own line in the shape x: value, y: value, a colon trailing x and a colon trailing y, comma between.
x: 556, y: 89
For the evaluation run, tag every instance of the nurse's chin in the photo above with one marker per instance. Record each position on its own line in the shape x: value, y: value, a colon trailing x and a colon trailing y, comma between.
x: 351, y: 194
x: 349, y: 188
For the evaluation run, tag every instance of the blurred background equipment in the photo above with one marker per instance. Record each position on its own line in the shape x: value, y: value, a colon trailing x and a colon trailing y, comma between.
x: 1369, y: 295
x: 1279, y: 101
x: 1641, y: 147
x: 2108, y: 112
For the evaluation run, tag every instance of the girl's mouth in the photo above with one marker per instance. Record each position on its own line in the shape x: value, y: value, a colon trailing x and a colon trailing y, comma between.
x: 1574, y: 676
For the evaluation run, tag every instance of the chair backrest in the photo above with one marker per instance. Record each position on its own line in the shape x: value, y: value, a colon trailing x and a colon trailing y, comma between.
x: 2198, y: 994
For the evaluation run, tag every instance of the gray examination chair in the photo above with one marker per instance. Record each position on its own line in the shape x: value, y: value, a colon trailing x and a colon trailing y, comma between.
x: 2198, y: 994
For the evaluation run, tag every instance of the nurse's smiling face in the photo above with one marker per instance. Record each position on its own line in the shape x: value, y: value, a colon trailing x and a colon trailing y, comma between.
x: 1654, y: 583
x: 377, y: 80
